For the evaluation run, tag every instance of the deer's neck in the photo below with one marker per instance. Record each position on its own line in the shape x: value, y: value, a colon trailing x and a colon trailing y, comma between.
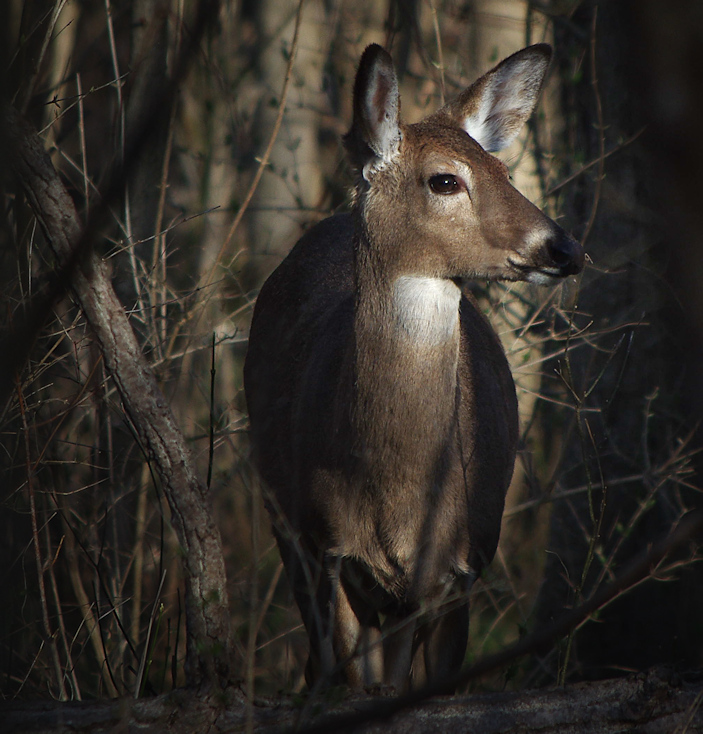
x: 406, y: 355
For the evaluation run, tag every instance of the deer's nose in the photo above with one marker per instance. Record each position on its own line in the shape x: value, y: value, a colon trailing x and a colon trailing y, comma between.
x: 566, y: 253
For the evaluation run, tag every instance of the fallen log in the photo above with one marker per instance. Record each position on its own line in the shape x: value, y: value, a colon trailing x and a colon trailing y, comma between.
x: 657, y: 702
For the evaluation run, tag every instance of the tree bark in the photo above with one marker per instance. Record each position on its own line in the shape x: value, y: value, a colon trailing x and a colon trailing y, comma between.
x: 209, y: 648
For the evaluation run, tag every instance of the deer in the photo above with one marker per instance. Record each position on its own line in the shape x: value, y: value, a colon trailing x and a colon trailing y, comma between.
x: 383, y: 412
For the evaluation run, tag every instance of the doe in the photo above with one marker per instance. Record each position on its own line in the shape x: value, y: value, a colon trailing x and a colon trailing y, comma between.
x: 383, y: 411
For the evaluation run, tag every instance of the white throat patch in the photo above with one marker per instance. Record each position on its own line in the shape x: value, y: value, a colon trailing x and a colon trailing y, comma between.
x: 426, y: 309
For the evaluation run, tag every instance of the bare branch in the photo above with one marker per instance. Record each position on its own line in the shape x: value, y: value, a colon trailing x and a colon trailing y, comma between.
x: 208, y: 634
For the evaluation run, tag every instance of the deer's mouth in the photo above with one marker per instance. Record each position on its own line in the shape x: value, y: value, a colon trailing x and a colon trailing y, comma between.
x: 539, y: 275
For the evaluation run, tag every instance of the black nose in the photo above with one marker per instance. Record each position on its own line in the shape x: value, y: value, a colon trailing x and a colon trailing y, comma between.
x: 566, y: 253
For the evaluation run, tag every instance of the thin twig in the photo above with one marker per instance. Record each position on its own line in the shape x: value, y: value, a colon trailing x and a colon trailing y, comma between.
x: 601, y: 130
x: 85, y: 605
x: 253, y: 604
x: 60, y: 617
x: 144, y: 661
x: 31, y: 84
x: 211, y: 442
x: 160, y: 252
x: 595, y: 162
x: 268, y: 598
x: 138, y: 554
x: 37, y: 551
x: 118, y: 82
x: 440, y: 52
x: 84, y: 156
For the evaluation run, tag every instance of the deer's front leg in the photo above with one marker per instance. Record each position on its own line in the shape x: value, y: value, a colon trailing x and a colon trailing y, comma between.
x: 356, y: 635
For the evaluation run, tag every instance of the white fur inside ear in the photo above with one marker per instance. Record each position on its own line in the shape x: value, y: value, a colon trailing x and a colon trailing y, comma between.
x: 426, y: 309
x: 381, y: 109
x: 505, y: 103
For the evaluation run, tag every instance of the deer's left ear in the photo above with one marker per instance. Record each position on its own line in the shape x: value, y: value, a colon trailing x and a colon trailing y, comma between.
x: 494, y: 108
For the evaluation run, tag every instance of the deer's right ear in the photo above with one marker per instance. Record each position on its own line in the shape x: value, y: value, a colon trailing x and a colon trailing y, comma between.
x: 375, y: 135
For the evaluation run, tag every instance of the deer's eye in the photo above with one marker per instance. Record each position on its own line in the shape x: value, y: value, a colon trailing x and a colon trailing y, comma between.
x: 444, y: 183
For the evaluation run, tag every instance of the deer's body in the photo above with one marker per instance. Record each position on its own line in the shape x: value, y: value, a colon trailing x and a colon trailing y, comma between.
x: 383, y: 411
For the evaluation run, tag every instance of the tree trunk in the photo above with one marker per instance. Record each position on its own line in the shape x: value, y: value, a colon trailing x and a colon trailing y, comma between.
x: 291, y: 187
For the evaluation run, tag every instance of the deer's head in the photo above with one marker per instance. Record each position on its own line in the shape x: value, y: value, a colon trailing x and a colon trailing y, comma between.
x: 432, y: 195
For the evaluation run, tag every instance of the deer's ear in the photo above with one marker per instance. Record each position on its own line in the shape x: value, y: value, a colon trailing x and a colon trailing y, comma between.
x: 374, y: 137
x: 494, y: 108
